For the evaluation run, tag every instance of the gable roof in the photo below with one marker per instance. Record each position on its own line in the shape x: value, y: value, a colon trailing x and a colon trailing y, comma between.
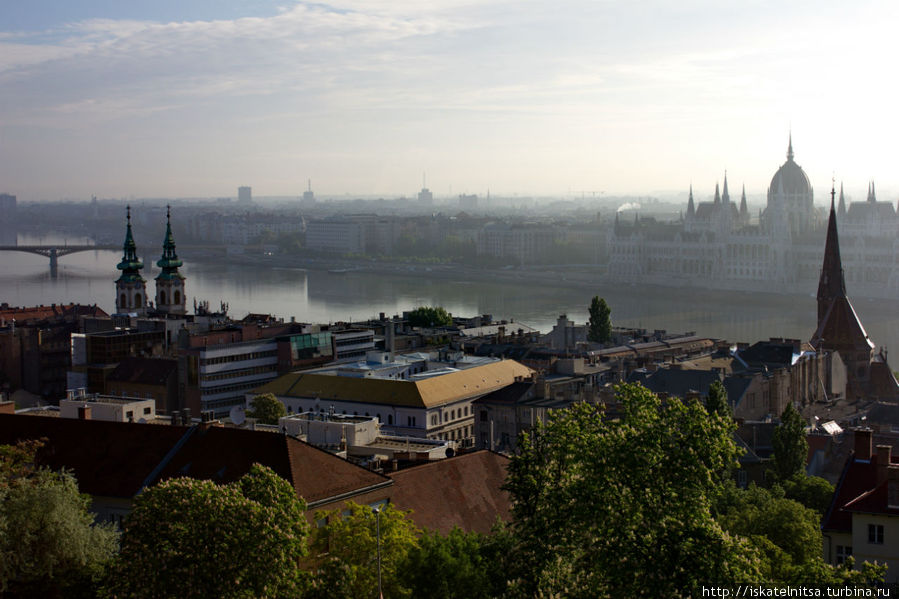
x: 424, y: 393
x: 118, y: 459
x: 463, y: 491
x: 223, y: 455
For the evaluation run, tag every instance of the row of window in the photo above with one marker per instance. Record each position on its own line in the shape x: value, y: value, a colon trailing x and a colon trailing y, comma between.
x: 238, y: 357
x: 231, y: 374
x: 451, y: 415
x: 235, y: 387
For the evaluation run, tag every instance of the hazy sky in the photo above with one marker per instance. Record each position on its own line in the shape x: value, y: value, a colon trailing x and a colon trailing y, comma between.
x: 193, y: 98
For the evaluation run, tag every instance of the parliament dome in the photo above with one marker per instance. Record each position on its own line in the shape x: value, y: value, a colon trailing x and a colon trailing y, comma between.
x: 790, y: 178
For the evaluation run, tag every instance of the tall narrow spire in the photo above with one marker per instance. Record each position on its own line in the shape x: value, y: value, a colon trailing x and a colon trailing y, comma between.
x: 790, y: 148
x: 170, y: 296
x: 872, y: 197
x: 744, y: 210
x: 842, y: 208
x: 169, y: 262
x: 717, y: 194
x: 831, y: 285
x: 130, y: 264
x: 725, y: 196
x: 691, y: 209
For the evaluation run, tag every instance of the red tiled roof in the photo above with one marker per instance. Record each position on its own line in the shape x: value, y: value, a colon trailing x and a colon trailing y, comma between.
x: 463, y: 491
x: 225, y: 454
x: 38, y: 313
x: 110, y: 459
x: 873, y: 502
x: 116, y: 459
x: 857, y: 491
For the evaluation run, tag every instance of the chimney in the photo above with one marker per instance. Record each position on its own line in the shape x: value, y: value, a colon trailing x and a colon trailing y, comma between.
x: 84, y: 412
x: 862, y: 444
x: 185, y: 416
x: 884, y: 454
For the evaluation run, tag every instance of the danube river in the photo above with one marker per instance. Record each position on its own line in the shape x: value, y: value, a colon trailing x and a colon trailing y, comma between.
x: 320, y: 296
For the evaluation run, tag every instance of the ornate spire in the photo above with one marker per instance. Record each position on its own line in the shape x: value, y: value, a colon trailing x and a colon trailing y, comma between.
x: 831, y: 285
x: 169, y: 262
x: 717, y: 194
x: 691, y: 209
x: 725, y: 196
x: 842, y: 208
x: 790, y: 148
x: 744, y: 210
x: 130, y: 264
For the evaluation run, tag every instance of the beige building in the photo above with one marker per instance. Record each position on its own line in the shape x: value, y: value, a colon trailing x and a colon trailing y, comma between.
x: 433, y: 404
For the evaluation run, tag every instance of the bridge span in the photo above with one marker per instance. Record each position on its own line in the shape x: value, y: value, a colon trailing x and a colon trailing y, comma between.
x: 55, y: 251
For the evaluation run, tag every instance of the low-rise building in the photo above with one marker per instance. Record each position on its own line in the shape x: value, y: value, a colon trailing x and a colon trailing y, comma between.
x: 863, y: 519
x: 431, y: 404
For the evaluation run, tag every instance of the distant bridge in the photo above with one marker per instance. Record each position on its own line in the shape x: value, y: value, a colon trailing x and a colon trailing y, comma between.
x: 55, y: 251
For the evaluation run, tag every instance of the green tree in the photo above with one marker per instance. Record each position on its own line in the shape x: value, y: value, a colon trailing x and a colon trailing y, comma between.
x: 193, y: 538
x: 790, y: 445
x: 349, y: 544
x: 459, y: 564
x: 599, y: 327
x: 787, y: 536
x: 717, y: 401
x: 428, y: 316
x: 266, y: 409
x: 49, y: 542
x: 813, y: 492
x: 623, y: 507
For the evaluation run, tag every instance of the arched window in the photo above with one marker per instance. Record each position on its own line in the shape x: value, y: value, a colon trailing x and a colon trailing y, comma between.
x: 138, y: 300
x: 389, y: 418
x: 162, y: 297
x: 177, y: 297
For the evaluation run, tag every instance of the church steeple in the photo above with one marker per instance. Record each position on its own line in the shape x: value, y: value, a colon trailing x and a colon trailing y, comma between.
x: 831, y: 285
x: 131, y: 288
x: 744, y: 210
x: 790, y: 148
x: 169, y: 283
x: 725, y: 196
x: 717, y: 195
x: 691, y: 209
x: 842, y: 208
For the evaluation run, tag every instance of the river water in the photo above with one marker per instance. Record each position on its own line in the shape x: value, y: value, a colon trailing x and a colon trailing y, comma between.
x: 320, y: 296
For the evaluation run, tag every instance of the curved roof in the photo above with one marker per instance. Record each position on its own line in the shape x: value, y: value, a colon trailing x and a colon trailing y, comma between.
x: 790, y: 178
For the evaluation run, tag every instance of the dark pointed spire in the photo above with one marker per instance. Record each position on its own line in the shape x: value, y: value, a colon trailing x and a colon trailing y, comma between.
x: 744, y: 210
x: 169, y: 262
x: 831, y: 285
x: 725, y: 196
x: 691, y: 209
x: 790, y: 148
x: 130, y: 264
x: 717, y: 194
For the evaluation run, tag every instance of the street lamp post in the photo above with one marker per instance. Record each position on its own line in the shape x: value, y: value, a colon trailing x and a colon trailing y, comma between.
x: 377, y: 513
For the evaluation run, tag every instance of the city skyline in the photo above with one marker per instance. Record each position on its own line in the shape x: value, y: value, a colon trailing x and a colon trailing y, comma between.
x: 160, y: 99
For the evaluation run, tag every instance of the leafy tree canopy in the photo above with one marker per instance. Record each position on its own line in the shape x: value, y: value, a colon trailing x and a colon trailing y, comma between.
x: 49, y: 542
x: 599, y: 327
x: 266, y: 409
x: 790, y: 445
x: 428, y: 316
x: 623, y: 507
x: 193, y: 538
x: 717, y: 401
x: 350, y: 542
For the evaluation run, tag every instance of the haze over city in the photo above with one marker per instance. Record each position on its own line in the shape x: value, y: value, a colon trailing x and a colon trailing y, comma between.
x: 164, y: 99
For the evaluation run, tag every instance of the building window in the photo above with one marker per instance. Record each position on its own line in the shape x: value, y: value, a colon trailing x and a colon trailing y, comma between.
x: 875, y: 534
x: 130, y: 416
x: 842, y: 553
x: 146, y: 411
x: 389, y: 418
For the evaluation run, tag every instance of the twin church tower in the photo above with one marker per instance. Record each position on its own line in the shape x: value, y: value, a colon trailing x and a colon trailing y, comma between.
x: 131, y: 288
